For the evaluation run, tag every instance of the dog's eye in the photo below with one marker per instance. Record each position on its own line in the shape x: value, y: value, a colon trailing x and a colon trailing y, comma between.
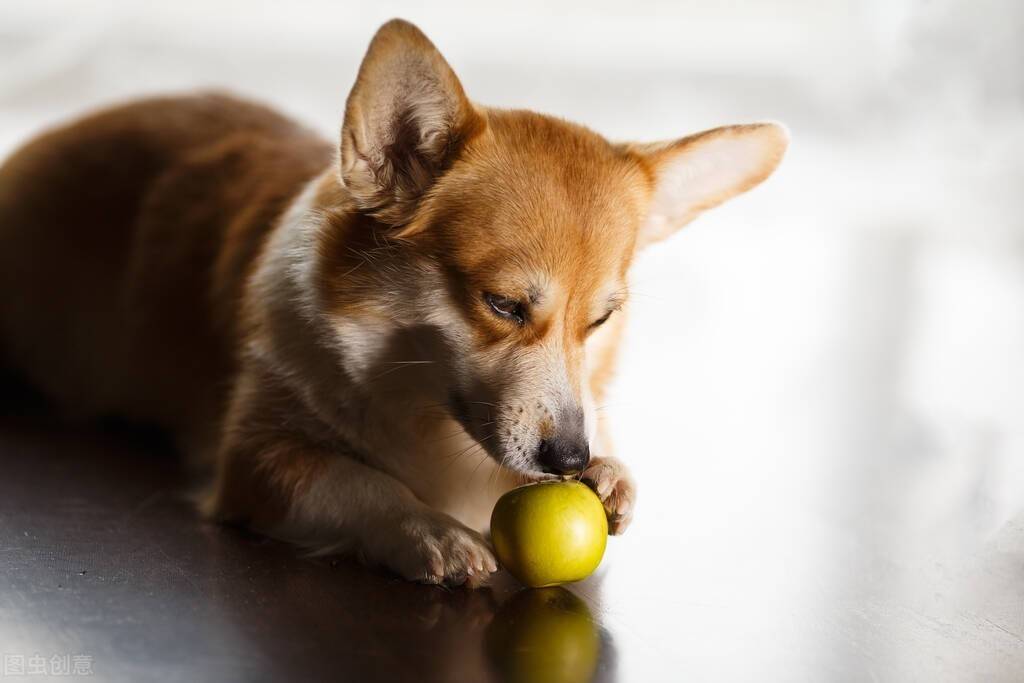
x: 506, y: 308
x: 602, y: 320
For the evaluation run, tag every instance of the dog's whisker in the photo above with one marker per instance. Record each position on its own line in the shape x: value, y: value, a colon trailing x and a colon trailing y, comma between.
x: 473, y: 473
x: 458, y: 457
x: 398, y: 365
x: 477, y: 444
x: 469, y: 453
x: 460, y: 452
x: 460, y: 432
x: 494, y: 475
x: 386, y: 372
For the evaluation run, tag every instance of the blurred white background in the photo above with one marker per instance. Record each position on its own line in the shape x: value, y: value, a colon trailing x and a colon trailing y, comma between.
x: 823, y: 392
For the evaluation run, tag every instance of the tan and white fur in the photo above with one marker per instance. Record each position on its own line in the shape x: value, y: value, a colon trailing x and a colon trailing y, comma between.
x: 367, y: 342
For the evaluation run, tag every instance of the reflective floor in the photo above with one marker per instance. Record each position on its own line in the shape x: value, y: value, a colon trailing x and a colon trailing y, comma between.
x: 821, y: 397
x: 737, y: 574
x: 103, y: 560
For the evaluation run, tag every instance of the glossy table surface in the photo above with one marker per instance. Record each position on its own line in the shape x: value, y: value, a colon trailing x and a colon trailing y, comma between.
x: 103, y: 560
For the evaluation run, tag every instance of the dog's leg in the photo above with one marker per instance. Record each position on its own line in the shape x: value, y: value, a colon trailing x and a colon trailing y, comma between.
x: 350, y: 503
x: 610, y: 478
x: 333, y: 503
x: 277, y: 480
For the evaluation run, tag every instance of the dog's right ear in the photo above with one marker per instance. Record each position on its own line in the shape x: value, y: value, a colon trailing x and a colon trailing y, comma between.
x: 701, y: 171
x: 406, y: 119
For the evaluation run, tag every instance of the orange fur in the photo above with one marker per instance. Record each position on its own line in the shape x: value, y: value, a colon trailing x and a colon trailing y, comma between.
x: 311, y: 321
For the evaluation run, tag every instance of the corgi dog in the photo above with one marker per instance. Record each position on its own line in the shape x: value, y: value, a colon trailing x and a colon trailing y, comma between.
x: 366, y: 342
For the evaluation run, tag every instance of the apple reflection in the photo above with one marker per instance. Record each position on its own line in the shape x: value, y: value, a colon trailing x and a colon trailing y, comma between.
x: 544, y: 635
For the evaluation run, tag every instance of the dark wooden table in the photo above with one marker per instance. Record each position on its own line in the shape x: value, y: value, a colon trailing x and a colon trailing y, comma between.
x: 735, y: 570
x: 105, y: 565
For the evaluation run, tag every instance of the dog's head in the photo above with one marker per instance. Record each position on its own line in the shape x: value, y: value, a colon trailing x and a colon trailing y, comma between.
x: 515, y: 232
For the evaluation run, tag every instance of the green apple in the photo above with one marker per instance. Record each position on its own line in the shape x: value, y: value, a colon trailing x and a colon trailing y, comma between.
x: 549, y: 533
x: 547, y: 635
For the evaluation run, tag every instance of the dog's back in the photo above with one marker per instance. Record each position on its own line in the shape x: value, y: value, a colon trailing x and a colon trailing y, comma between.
x: 124, y: 241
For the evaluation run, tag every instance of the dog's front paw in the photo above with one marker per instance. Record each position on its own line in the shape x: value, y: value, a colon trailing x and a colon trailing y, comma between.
x: 614, y: 486
x: 436, y: 549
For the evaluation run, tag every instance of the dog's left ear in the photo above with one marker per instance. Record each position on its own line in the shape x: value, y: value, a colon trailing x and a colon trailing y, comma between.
x: 406, y: 119
x: 701, y: 171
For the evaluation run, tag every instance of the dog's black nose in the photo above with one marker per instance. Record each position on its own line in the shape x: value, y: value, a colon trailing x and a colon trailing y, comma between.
x: 563, y: 456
